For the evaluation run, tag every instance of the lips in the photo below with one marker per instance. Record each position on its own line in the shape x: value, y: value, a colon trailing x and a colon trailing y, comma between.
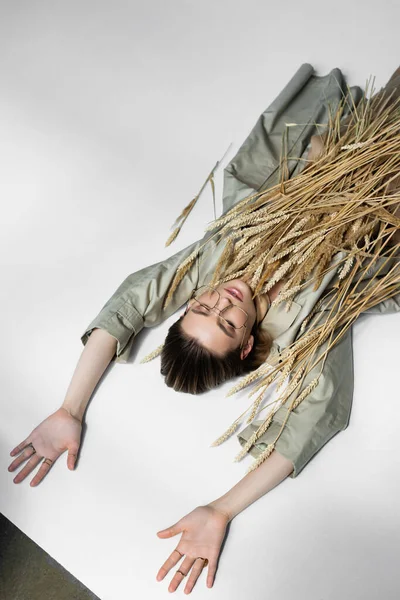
x: 235, y: 293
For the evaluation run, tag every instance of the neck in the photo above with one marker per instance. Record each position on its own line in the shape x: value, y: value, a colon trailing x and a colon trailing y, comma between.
x: 262, y: 304
x: 263, y: 301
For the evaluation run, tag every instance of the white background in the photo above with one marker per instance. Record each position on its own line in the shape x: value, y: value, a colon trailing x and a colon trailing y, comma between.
x: 111, y: 116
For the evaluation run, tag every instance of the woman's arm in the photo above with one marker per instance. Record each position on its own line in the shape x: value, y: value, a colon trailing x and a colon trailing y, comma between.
x: 204, y: 528
x: 254, y: 485
x: 61, y: 431
x: 96, y: 356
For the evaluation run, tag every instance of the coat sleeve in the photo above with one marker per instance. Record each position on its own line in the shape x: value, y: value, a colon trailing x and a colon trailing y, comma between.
x: 389, y: 306
x: 320, y: 416
x: 137, y: 302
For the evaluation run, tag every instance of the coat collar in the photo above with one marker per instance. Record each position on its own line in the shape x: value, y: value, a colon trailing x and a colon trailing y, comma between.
x: 277, y: 320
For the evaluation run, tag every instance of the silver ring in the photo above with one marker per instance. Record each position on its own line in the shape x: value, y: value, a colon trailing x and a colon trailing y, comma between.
x: 31, y: 445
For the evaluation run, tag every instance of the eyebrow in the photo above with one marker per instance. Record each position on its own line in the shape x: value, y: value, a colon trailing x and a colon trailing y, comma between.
x: 198, y: 312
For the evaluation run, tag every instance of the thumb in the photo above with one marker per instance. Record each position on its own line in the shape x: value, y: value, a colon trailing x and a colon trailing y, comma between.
x: 170, y: 531
x: 71, y: 458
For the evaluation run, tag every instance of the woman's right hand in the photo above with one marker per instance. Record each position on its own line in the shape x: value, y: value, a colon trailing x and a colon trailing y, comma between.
x: 59, y: 432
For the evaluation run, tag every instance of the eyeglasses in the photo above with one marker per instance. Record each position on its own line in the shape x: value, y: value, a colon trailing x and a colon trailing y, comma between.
x: 234, y: 316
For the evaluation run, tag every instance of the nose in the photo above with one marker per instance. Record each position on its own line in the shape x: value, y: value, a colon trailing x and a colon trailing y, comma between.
x: 223, y: 302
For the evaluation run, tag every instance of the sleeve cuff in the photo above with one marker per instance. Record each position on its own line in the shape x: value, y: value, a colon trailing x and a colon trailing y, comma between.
x: 267, y: 438
x: 123, y: 324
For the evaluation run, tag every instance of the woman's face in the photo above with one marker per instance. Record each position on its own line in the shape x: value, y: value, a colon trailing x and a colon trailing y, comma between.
x: 213, y: 332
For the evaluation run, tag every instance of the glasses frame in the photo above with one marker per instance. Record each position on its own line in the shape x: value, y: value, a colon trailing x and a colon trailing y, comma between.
x: 219, y: 311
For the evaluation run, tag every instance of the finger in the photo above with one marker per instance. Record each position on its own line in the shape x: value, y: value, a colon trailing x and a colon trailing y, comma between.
x: 71, y: 458
x: 30, y: 465
x: 28, y: 452
x: 44, y: 469
x: 170, y: 531
x: 171, y: 561
x: 198, y: 566
x: 20, y: 447
x: 212, y: 568
x: 178, y: 577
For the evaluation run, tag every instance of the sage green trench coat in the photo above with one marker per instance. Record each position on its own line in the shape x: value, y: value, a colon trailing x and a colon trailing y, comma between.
x: 137, y: 301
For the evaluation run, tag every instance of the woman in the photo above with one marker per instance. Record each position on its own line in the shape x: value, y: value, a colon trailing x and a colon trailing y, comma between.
x: 223, y: 332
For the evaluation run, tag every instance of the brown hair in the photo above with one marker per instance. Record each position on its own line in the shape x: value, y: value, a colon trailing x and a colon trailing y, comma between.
x: 190, y: 367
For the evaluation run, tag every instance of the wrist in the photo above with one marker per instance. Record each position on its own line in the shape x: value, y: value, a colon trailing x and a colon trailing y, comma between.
x: 76, y: 412
x: 222, y: 506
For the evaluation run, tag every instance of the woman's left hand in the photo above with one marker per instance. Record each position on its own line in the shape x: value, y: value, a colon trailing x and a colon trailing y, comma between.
x: 203, y: 533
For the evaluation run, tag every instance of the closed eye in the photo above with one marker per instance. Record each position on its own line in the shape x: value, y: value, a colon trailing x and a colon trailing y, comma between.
x: 208, y: 310
x: 202, y: 310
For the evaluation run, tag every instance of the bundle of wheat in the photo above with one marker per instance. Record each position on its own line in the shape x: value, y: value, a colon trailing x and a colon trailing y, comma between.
x: 344, y: 201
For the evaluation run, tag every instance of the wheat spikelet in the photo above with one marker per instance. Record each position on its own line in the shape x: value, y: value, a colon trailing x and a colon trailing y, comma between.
x: 248, y: 247
x: 347, y: 266
x: 295, y: 231
x: 264, y: 383
x: 249, y: 443
x: 153, y: 354
x: 257, y: 275
x: 353, y: 146
x: 312, y: 313
x: 231, y: 214
x: 285, y: 295
x: 360, y: 231
x: 256, y: 404
x: 226, y: 253
x: 311, y: 336
x: 255, y: 229
x: 172, y: 236
x: 264, y: 368
x: 226, y: 435
x: 356, y: 225
x: 248, y: 219
x: 236, y: 275
x: 180, y: 273
x: 245, y: 448
x: 231, y: 220
x: 263, y: 456
x: 310, y: 250
x: 305, y: 393
x: 298, y: 246
x: 242, y: 242
x: 243, y: 452
x: 290, y: 236
x: 286, y: 371
x: 186, y: 210
x: 325, y: 253
x: 280, y: 273
x: 294, y: 383
x: 184, y: 214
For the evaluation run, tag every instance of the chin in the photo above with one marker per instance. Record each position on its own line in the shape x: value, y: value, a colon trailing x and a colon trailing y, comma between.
x: 242, y: 286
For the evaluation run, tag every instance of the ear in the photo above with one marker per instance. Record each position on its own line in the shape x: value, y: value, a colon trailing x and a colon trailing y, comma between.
x: 247, y: 347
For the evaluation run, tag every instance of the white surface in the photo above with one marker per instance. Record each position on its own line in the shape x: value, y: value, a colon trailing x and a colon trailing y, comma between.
x: 111, y: 117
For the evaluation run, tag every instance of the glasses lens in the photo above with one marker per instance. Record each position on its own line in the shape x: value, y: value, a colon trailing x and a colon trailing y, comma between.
x: 207, y: 296
x: 233, y: 315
